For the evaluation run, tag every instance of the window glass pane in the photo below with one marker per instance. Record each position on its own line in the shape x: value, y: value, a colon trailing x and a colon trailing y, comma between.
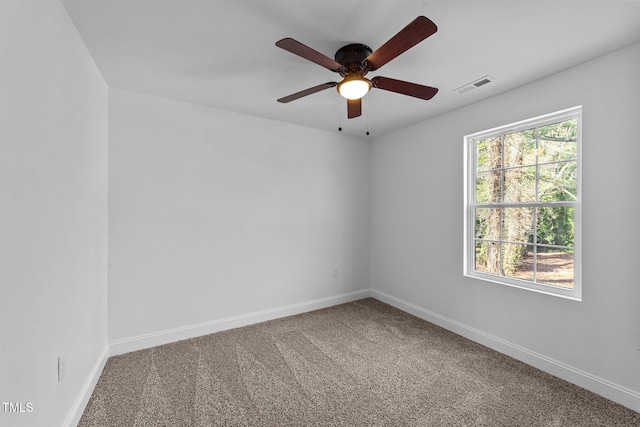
x: 517, y: 261
x: 520, y: 185
x: 489, y: 154
x: 487, y: 223
x: 519, y: 148
x: 517, y: 225
x: 487, y: 258
x: 555, y: 267
x: 555, y: 225
x: 558, y: 141
x: 558, y: 181
x: 488, y: 185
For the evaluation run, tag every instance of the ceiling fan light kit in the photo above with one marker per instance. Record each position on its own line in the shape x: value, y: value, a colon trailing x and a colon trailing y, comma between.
x: 354, y: 87
x: 355, y: 60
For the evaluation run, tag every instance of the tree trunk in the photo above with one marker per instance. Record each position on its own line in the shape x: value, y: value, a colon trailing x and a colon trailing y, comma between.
x: 495, y: 195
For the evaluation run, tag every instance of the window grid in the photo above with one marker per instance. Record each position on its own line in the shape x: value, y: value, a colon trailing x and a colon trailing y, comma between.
x: 536, y: 243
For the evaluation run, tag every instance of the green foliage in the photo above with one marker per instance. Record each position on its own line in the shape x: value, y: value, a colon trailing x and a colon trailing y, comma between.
x: 555, y: 226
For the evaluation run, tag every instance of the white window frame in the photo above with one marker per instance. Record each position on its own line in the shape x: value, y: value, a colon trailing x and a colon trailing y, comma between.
x: 469, y: 205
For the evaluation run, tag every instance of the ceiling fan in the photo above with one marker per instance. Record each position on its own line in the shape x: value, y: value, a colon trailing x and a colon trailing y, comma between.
x: 354, y: 61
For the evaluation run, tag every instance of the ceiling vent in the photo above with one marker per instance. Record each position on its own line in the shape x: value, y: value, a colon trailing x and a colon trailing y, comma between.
x: 474, y: 85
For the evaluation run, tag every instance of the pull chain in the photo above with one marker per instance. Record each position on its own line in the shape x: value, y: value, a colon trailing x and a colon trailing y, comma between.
x: 339, y: 113
x: 367, y: 113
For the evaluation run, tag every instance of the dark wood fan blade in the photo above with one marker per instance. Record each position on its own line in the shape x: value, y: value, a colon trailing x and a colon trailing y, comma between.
x: 404, y: 88
x: 354, y: 108
x: 306, y: 52
x: 306, y: 92
x: 418, y: 30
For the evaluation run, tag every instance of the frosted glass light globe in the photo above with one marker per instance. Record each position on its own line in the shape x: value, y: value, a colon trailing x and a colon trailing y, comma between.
x: 354, y: 88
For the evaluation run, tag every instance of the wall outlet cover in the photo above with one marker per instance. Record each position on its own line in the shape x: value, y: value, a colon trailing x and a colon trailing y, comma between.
x: 62, y: 367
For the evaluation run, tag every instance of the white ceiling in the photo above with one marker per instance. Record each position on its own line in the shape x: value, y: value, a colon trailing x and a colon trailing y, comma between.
x: 222, y: 53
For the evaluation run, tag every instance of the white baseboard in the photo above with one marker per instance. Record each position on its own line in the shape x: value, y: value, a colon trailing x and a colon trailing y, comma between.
x: 605, y: 388
x: 76, y: 411
x: 165, y: 337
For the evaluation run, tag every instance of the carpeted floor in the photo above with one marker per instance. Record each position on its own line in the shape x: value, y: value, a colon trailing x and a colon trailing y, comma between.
x: 358, y: 364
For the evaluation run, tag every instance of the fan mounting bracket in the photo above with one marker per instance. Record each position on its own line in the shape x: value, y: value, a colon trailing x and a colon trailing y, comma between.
x: 352, y: 58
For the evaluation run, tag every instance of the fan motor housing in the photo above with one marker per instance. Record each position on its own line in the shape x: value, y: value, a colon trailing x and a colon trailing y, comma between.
x: 352, y: 56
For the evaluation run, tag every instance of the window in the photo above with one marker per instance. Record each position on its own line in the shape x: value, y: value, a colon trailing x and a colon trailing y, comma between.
x: 522, y: 204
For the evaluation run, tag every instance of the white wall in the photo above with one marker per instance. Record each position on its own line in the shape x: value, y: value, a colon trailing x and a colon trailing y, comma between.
x: 417, y: 228
x: 53, y: 214
x: 214, y: 214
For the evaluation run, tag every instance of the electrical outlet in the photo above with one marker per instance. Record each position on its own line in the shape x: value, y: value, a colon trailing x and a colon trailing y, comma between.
x: 638, y: 340
x: 62, y: 367
x: 336, y: 272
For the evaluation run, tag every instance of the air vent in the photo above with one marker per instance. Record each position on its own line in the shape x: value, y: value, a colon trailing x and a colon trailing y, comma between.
x: 474, y: 85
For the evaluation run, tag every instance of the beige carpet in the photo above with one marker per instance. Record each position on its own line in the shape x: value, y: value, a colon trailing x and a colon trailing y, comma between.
x: 358, y: 364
